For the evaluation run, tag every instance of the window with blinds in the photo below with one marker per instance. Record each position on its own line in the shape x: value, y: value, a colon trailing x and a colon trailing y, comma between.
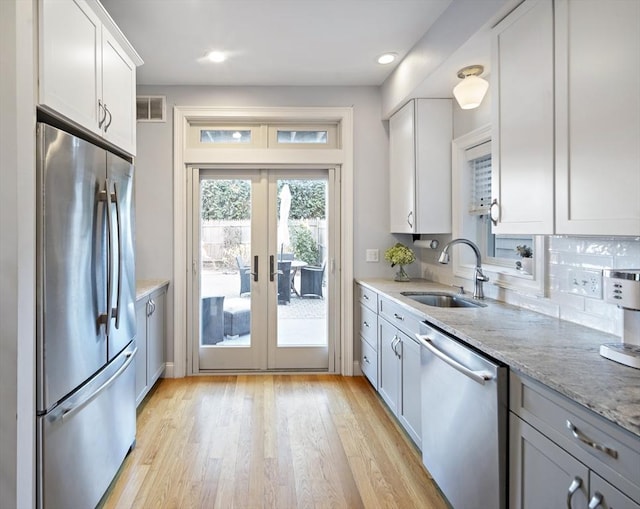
x: 480, y: 201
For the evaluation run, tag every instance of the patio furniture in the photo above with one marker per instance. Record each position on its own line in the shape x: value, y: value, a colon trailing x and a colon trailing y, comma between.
x: 245, y: 274
x: 212, y: 320
x: 311, y: 278
x: 237, y: 317
x: 284, y: 282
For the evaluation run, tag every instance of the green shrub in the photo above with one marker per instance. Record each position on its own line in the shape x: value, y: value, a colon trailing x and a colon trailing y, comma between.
x: 305, y: 247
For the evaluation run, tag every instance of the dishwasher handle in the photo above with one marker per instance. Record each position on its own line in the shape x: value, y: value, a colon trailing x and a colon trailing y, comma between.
x: 477, y: 376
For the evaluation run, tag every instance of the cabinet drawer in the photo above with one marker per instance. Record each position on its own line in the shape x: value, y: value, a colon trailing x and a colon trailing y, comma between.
x: 369, y: 362
x: 369, y: 326
x: 399, y: 316
x: 580, y: 432
x: 368, y: 298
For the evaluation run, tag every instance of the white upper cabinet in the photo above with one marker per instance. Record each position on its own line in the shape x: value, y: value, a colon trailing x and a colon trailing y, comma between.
x: 522, y: 128
x: 566, y: 118
x: 85, y: 73
x: 420, y: 136
x: 597, y: 117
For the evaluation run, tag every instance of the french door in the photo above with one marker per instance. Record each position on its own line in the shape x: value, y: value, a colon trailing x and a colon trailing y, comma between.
x: 263, y: 249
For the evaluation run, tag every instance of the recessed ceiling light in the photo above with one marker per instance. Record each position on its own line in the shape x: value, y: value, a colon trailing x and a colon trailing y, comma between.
x: 387, y: 58
x: 216, y: 56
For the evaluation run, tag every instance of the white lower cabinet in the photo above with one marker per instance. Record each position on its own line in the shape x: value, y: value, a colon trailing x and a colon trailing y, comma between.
x: 562, y: 455
x: 150, y: 340
x: 399, y: 377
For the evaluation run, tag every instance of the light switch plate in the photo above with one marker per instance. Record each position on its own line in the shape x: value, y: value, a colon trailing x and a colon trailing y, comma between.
x: 373, y: 255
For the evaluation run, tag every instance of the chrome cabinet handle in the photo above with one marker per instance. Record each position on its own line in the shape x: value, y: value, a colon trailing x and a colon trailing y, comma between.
x: 394, y: 343
x: 101, y: 118
x: 110, y: 118
x: 477, y: 376
x: 493, y: 220
x: 366, y: 359
x: 410, y: 219
x: 398, y: 317
x: 575, y: 486
x: 596, y: 500
x: 366, y: 324
x: 586, y: 440
x: 151, y: 307
x: 365, y: 296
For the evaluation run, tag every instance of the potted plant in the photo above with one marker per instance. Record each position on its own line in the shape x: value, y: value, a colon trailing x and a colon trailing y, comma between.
x: 526, y: 263
x: 400, y: 255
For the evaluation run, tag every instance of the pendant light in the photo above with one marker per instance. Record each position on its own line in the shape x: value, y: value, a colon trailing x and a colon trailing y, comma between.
x: 472, y: 89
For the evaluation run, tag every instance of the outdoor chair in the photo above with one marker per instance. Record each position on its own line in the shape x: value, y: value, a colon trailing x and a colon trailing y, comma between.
x: 212, y: 320
x: 311, y: 278
x: 245, y: 275
x: 284, y: 282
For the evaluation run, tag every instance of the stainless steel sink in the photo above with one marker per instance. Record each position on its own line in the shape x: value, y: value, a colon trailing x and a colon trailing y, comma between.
x: 443, y: 300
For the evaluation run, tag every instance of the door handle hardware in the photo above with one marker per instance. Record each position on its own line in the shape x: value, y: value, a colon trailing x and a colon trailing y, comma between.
x: 410, y: 219
x: 366, y: 359
x: 255, y: 268
x: 577, y: 434
x: 117, y: 311
x: 101, y: 110
x: 398, y: 317
x: 575, y: 486
x: 105, y: 318
x: 366, y: 324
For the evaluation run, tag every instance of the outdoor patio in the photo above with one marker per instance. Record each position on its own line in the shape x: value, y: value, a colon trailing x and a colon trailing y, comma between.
x: 301, y: 322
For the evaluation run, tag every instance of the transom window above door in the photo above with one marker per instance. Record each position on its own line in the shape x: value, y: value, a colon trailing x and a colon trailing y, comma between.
x: 258, y: 135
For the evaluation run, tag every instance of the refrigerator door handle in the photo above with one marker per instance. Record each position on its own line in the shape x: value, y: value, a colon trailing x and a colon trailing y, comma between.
x: 117, y: 310
x: 105, y: 318
x: 68, y: 412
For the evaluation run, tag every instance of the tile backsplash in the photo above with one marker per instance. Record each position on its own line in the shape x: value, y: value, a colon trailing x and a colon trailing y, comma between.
x: 568, y: 256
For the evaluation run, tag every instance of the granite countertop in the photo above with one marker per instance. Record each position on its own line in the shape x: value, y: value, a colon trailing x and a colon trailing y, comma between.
x: 562, y: 355
x: 145, y: 287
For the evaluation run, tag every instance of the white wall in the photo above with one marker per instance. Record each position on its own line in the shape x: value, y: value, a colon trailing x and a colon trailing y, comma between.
x: 154, y: 167
x: 17, y: 255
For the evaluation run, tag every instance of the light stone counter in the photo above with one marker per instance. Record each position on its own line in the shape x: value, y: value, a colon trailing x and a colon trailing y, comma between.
x: 145, y: 287
x: 560, y: 354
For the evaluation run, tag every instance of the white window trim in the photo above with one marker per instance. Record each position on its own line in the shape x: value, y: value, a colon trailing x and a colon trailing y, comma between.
x: 185, y: 156
x: 463, y: 265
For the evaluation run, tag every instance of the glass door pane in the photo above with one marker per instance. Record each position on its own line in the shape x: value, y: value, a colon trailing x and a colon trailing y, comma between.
x: 227, y: 268
x: 302, y: 247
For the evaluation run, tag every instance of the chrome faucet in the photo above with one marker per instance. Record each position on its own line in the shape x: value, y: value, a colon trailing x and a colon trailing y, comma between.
x: 479, y: 277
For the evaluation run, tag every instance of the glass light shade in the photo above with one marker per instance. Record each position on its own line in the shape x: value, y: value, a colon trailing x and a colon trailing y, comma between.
x: 470, y: 92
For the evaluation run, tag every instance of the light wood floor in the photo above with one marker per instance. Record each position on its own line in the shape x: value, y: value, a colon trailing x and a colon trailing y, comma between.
x: 273, y: 441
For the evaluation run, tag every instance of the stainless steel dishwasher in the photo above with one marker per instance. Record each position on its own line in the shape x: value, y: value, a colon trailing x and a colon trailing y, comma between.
x: 464, y: 421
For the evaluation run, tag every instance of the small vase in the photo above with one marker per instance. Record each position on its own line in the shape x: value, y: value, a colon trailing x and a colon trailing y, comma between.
x: 525, y: 265
x: 401, y: 275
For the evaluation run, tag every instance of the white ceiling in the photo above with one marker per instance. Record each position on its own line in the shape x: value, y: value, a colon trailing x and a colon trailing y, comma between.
x: 271, y: 42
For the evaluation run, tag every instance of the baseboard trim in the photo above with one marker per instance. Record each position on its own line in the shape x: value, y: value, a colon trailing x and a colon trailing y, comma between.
x: 356, y: 369
x: 168, y: 370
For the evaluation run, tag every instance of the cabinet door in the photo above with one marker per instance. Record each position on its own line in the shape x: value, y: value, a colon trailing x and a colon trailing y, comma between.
x: 141, y: 355
x: 156, y: 336
x: 389, y: 372
x: 541, y: 473
x: 433, y: 135
x: 598, y: 117
x: 402, y: 166
x: 118, y: 94
x: 605, y: 496
x: 523, y: 116
x: 70, y: 61
x: 410, y: 395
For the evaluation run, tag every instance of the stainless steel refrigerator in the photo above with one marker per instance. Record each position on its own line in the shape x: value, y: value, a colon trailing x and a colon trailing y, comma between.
x: 86, y: 416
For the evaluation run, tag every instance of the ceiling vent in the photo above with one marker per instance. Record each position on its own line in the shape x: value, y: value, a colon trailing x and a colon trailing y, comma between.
x: 151, y: 108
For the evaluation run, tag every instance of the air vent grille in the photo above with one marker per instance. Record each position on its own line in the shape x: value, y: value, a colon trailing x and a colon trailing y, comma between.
x: 151, y: 108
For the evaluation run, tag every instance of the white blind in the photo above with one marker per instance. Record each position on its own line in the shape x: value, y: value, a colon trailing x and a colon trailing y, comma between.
x: 480, y: 199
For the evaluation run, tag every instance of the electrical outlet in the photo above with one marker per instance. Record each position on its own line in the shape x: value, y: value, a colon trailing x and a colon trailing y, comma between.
x: 587, y: 282
x: 373, y: 255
